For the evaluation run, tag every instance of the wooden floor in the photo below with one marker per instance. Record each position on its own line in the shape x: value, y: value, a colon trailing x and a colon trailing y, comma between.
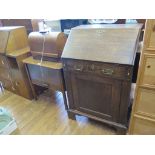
x: 47, y: 116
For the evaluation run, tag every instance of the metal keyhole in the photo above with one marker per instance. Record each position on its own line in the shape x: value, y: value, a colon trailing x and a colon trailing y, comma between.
x: 148, y: 66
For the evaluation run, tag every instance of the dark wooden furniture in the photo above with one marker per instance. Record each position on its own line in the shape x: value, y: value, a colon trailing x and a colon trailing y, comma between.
x: 98, y: 62
x: 18, y: 22
x: 45, y: 74
x: 13, y: 49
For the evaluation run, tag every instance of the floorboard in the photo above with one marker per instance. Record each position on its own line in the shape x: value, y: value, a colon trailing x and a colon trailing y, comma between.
x: 47, y: 116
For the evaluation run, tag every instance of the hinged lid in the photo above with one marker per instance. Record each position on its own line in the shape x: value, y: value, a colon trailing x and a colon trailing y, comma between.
x: 49, y: 44
x: 113, y: 43
x: 12, y: 38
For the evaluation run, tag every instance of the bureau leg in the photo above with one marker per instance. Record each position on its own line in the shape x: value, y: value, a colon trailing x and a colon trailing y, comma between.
x: 65, y: 100
x: 71, y: 115
x: 1, y: 86
x: 121, y: 131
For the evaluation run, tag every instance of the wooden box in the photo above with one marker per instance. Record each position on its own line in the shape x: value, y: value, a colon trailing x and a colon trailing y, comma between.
x: 47, y: 46
x: 98, y: 62
x: 12, y: 39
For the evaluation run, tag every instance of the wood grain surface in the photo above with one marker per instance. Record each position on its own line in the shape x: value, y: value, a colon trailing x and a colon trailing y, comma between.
x: 47, y: 116
x: 116, y: 43
x: 52, y: 65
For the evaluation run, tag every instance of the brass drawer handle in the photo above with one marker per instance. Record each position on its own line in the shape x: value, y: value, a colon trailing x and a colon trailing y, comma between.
x: 92, y: 67
x: 108, y: 71
x: 78, y: 68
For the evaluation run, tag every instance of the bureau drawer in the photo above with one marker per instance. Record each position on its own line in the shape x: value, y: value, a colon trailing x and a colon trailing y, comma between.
x: 3, y: 62
x: 143, y: 126
x: 4, y: 73
x: 148, y: 74
x: 20, y: 87
x: 98, y: 68
x: 45, y: 76
x: 150, y: 35
x: 145, y: 102
x: 8, y: 85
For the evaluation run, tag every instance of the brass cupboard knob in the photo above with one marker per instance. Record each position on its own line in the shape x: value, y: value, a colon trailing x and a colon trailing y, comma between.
x: 107, y: 71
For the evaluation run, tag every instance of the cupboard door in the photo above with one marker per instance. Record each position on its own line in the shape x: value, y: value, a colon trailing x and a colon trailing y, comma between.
x: 145, y: 102
x: 96, y: 95
x: 152, y: 37
x: 143, y: 126
x: 148, y: 73
x: 4, y: 73
x: 8, y: 85
x: 149, y: 40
